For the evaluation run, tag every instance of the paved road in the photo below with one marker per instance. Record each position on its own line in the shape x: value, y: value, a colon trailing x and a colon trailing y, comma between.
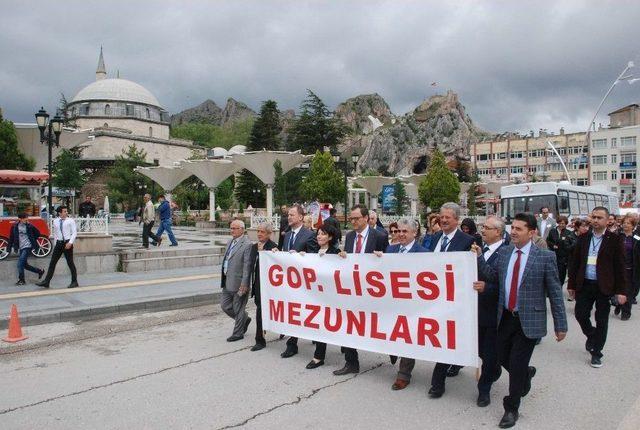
x: 174, y: 370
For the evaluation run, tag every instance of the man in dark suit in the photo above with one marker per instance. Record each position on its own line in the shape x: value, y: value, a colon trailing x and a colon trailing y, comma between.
x: 298, y: 239
x: 284, y: 225
x: 492, y: 232
x: 375, y: 225
x: 449, y: 239
x: 361, y: 240
x: 526, y: 275
x: 561, y: 241
x: 407, y: 231
x: 596, y: 272
x: 333, y: 221
x: 264, y: 243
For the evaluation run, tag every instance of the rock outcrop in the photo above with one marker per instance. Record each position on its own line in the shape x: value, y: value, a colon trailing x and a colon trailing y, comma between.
x: 364, y: 113
x: 207, y: 112
x: 235, y: 111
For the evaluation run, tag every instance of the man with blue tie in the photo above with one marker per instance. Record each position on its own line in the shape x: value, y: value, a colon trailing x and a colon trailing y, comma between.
x: 65, y: 232
x: 449, y: 239
x: 297, y: 239
x: 526, y: 276
x: 407, y: 231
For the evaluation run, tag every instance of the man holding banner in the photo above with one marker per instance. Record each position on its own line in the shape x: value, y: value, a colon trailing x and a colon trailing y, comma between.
x: 526, y: 275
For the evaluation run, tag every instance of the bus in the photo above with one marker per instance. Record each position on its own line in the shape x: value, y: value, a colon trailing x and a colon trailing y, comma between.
x: 561, y: 198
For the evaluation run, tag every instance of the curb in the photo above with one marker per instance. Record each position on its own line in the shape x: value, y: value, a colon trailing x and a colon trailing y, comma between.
x: 98, y: 312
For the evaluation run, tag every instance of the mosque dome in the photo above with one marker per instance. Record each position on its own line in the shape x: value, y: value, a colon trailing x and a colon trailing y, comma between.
x: 116, y: 90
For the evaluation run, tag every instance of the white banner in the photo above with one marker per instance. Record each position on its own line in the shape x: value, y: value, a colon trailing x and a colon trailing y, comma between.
x: 418, y: 305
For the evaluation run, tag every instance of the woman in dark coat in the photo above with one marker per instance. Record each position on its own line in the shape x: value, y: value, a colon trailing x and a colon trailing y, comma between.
x: 469, y: 226
x: 631, y: 265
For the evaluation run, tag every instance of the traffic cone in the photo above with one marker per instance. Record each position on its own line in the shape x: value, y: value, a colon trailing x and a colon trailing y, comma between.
x: 15, y: 331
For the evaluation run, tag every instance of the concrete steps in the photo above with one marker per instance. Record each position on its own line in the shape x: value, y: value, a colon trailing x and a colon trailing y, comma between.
x: 142, y: 260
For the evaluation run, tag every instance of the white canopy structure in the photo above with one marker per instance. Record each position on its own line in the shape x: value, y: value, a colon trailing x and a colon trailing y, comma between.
x: 167, y: 177
x: 211, y: 173
x: 260, y: 163
x: 374, y: 184
x: 414, y: 182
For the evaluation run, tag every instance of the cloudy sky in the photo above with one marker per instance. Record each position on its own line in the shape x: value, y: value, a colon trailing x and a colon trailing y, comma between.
x: 516, y: 65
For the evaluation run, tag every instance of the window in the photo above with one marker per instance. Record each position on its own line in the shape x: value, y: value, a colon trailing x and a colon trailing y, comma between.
x: 584, y: 207
x: 518, y: 169
x: 500, y: 156
x: 628, y: 174
x: 614, y: 175
x: 129, y: 110
x: 581, y: 182
x: 107, y: 110
x: 536, y: 153
x: 614, y: 142
x: 148, y: 113
x: 628, y: 141
x: 599, y: 159
x: 599, y: 143
x: 482, y: 157
x: 84, y: 109
x: 614, y: 158
x: 150, y: 131
x: 628, y: 158
x: 73, y: 111
x: 599, y: 176
x: 501, y: 171
x: 563, y: 202
x: 516, y: 154
x: 573, y: 199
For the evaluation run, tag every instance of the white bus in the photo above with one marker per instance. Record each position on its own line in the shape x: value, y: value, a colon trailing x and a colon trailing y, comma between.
x: 561, y: 198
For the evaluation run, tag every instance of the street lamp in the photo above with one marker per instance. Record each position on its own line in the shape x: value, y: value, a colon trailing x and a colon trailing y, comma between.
x: 344, y: 164
x: 51, y: 137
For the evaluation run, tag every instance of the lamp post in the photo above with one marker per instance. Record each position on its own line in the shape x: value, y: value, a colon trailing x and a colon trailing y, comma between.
x: 51, y: 137
x: 344, y: 164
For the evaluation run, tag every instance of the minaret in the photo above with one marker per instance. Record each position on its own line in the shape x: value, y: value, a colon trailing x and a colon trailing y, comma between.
x: 101, y: 72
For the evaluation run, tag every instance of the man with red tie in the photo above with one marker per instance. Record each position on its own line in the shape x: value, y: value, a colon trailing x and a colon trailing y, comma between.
x: 526, y: 276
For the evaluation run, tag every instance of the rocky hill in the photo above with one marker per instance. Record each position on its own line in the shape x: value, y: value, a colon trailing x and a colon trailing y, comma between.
x: 403, y: 144
x: 364, y: 113
x: 209, y: 112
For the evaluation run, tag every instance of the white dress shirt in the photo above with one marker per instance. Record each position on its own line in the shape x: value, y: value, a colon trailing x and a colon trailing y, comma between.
x: 365, y: 236
x: 68, y: 232
x: 439, y: 244
x: 406, y: 248
x: 492, y: 248
x: 292, y: 238
x: 526, y: 250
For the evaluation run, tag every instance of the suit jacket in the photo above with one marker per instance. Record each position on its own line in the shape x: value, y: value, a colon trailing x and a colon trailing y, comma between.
x: 238, y: 265
x: 394, y: 249
x: 305, y: 241
x: 609, y: 265
x: 375, y: 242
x: 551, y: 224
x: 564, y: 241
x: 539, y: 280
x: 461, y: 241
x: 488, y: 299
x: 635, y: 274
x: 14, y: 237
x: 255, y: 264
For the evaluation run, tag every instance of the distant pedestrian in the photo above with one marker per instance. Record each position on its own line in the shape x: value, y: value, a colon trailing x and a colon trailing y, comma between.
x: 333, y: 221
x: 65, y: 232
x: 236, y: 275
x: 87, y: 208
x: 148, y: 219
x: 164, y: 210
x: 284, y: 225
x: 24, y: 239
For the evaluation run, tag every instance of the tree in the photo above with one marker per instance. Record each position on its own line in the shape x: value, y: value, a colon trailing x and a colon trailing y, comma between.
x: 316, y: 127
x: 471, y: 200
x: 67, y: 173
x: 401, y: 196
x: 123, y: 180
x: 265, y: 134
x: 462, y: 170
x: 12, y: 158
x: 224, y: 194
x: 211, y: 136
x: 63, y: 109
x: 440, y: 185
x: 323, y: 182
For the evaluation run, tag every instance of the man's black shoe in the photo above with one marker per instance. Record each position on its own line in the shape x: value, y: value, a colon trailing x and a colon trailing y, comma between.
x: 484, y: 400
x: 174, y: 244
x: 43, y: 284
x: 73, y: 285
x: 234, y: 338
x: 527, y: 385
x: 246, y: 324
x: 436, y: 393
x: 508, y: 420
x: 281, y: 337
x: 258, y: 347
x: 315, y: 364
x: 393, y: 359
x: 348, y: 368
x: 453, y: 371
x: 40, y: 273
x: 289, y: 352
x: 596, y: 361
x: 617, y: 310
x: 20, y: 282
x: 625, y: 317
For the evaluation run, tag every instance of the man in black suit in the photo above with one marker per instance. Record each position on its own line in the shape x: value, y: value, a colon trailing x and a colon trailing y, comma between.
x: 284, y: 225
x: 264, y: 244
x: 298, y: 239
x: 492, y: 232
x: 376, y: 225
x: 449, y: 239
x: 561, y: 241
x: 361, y: 240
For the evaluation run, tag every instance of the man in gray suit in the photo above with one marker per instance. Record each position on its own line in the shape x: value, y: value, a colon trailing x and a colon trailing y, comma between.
x: 545, y: 223
x: 236, y: 273
x: 526, y: 275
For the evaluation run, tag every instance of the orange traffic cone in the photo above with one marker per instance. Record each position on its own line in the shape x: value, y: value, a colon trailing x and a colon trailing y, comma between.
x: 15, y: 331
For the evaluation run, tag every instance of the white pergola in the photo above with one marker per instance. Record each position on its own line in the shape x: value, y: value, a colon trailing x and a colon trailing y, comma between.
x: 211, y: 173
x: 373, y: 185
x: 167, y: 177
x: 413, y: 182
x: 260, y: 163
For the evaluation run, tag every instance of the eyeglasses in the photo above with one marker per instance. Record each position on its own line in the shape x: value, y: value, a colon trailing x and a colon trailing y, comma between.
x: 236, y: 228
x: 485, y: 227
x: 354, y: 218
x: 394, y: 231
x: 403, y: 231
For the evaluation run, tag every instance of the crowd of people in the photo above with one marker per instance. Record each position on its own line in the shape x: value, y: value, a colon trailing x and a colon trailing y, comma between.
x: 518, y: 272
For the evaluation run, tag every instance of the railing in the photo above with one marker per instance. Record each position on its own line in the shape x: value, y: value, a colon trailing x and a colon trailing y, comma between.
x: 87, y: 225
x: 256, y: 220
x: 388, y: 219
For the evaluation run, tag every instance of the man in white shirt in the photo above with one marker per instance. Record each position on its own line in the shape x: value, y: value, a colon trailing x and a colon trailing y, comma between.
x: 545, y: 223
x: 64, y: 232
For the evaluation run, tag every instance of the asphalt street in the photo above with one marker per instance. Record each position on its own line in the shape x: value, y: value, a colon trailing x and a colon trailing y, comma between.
x: 174, y: 369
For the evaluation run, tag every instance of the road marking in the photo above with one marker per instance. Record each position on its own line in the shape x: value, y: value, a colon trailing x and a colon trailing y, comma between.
x: 56, y: 291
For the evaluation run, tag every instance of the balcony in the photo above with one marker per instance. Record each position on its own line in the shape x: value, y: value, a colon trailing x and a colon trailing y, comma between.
x: 627, y: 181
x: 627, y: 164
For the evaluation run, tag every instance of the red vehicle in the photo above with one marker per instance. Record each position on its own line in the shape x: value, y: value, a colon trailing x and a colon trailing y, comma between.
x: 20, y: 192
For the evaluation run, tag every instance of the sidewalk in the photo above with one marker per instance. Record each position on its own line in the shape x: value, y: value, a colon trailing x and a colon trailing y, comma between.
x: 110, y: 293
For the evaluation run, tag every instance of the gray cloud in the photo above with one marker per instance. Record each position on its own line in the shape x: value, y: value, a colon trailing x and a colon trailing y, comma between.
x: 515, y: 65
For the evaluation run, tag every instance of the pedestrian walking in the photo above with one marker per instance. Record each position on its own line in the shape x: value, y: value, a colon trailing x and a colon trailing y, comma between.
x: 64, y: 232
x: 164, y: 211
x: 631, y: 265
x: 264, y: 243
x: 148, y: 219
x: 24, y: 239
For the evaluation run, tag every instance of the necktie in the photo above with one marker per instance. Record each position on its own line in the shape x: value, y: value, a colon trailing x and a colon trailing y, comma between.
x: 402, y: 249
x: 292, y: 239
x: 226, y: 256
x: 445, y: 242
x: 513, y: 292
x: 359, y: 244
x: 61, y: 230
x: 485, y: 249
